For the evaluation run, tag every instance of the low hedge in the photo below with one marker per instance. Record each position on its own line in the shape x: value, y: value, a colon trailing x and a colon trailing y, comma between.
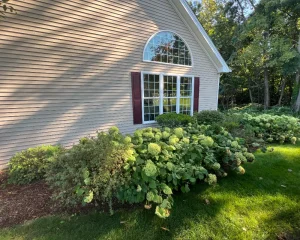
x: 209, y: 117
x: 173, y: 120
x: 31, y: 164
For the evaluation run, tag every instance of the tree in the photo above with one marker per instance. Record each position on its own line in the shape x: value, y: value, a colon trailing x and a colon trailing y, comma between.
x: 297, y: 84
x: 258, y: 40
x: 290, y: 11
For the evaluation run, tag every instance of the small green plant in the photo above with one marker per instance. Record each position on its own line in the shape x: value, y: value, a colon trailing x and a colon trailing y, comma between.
x: 31, y: 164
x: 209, y: 117
x: 173, y: 120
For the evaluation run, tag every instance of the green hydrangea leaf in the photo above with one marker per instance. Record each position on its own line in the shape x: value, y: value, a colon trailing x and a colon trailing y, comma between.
x: 157, y: 199
x: 86, y: 173
x: 187, y: 189
x: 79, y: 191
x: 170, y: 166
x: 87, y: 181
x: 162, y: 212
x: 152, y: 184
x: 150, y: 196
x: 192, y: 180
x: 166, y: 204
x: 89, y: 197
x: 166, y: 189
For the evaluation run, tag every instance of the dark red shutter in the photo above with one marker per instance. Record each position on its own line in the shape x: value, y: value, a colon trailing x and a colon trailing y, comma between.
x: 136, y: 97
x: 196, y: 93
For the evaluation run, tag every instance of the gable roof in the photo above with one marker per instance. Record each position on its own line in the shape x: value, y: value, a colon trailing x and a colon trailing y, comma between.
x: 188, y: 16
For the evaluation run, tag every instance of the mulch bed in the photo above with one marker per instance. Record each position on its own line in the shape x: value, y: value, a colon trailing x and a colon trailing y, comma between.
x: 20, y: 203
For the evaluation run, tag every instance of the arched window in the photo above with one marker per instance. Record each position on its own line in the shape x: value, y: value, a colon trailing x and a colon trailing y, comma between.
x: 167, y: 47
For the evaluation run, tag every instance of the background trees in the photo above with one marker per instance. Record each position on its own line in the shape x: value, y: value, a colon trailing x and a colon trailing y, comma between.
x: 260, y: 40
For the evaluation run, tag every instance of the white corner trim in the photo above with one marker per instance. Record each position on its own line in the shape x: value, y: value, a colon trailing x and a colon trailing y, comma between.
x: 218, y: 90
x: 213, y: 48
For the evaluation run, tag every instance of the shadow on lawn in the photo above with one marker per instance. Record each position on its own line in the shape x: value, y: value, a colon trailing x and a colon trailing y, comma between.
x: 288, y: 234
x: 189, y: 209
x: 133, y: 224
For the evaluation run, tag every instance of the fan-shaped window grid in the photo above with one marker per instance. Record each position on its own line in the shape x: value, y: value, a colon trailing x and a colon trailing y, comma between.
x: 166, y: 94
x: 167, y: 47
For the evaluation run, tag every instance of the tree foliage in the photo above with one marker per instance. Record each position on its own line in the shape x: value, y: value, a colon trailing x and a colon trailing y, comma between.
x: 260, y: 42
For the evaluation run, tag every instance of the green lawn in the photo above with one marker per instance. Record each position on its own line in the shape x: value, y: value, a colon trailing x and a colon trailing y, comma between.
x: 262, y: 204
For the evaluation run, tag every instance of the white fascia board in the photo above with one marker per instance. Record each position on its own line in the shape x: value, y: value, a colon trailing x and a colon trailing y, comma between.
x: 203, y: 37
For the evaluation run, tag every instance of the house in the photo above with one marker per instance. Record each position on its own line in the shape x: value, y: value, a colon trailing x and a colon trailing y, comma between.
x: 69, y: 68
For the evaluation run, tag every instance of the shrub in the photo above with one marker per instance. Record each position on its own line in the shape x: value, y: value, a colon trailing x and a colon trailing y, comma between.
x: 250, y: 108
x: 172, y: 120
x: 31, y: 164
x: 256, y: 109
x: 91, y: 170
x: 274, y: 128
x: 232, y: 122
x: 146, y: 167
x: 209, y: 117
x: 177, y: 160
x: 227, y: 149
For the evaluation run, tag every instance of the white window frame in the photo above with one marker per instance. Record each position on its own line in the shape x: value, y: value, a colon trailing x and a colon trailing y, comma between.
x: 161, y: 92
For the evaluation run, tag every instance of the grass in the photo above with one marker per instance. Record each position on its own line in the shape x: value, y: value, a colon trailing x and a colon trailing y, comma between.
x: 262, y: 204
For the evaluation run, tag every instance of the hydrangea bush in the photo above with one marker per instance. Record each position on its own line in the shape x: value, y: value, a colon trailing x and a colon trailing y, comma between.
x: 174, y: 159
x: 273, y: 128
x: 150, y: 165
x: 147, y: 166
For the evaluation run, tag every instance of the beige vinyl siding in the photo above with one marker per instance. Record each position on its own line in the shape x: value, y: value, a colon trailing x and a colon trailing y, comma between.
x: 65, y: 68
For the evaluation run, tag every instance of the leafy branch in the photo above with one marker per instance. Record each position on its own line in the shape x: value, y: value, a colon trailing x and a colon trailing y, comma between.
x: 5, y: 7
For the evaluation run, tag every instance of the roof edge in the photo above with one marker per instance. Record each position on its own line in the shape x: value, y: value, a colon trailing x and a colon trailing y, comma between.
x: 225, y: 68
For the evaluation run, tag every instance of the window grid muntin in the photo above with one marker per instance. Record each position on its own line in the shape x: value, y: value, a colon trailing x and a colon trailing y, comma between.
x: 161, y: 98
x: 186, y: 86
x: 151, y: 102
x: 170, y: 86
x: 168, y: 48
x: 186, y: 94
x: 169, y: 105
x: 185, y: 105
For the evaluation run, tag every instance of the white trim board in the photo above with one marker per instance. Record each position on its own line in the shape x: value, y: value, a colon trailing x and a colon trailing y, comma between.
x: 189, y: 18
